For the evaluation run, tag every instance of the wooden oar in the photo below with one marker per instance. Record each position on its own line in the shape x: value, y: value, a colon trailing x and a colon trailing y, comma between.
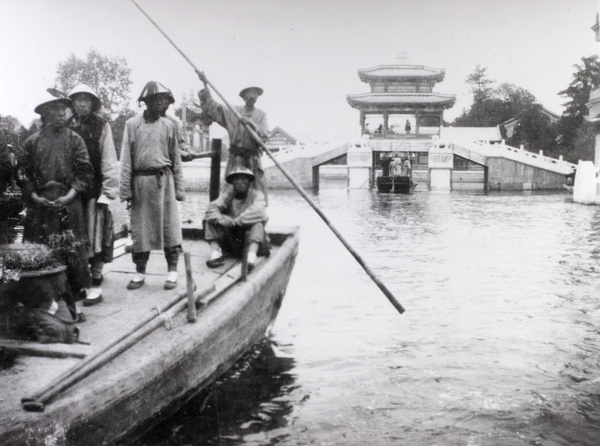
x: 288, y: 175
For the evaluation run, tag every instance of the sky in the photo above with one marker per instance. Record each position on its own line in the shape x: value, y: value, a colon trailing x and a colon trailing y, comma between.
x: 304, y: 53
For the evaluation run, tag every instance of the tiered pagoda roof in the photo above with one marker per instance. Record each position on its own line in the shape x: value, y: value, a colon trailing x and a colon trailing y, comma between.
x: 401, y: 89
x: 388, y: 100
x: 401, y: 73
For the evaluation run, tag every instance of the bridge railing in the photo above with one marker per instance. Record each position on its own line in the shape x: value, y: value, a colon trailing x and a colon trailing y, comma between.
x: 513, y: 153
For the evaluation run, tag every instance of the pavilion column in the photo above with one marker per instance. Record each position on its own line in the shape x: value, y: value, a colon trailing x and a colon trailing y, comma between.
x: 417, y: 119
x: 362, y: 122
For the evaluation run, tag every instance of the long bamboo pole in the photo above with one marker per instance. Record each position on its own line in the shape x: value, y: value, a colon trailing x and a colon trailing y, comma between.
x: 288, y: 175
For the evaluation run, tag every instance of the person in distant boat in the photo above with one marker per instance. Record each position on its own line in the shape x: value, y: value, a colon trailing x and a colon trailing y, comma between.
x: 385, y: 165
x: 396, y: 166
x: 97, y: 134
x: 238, y: 210
x: 407, y: 127
x: 243, y: 150
x: 406, y: 167
x: 54, y: 173
x: 152, y: 182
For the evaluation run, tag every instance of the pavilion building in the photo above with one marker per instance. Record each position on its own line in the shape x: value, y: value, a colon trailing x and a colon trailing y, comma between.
x: 402, y: 113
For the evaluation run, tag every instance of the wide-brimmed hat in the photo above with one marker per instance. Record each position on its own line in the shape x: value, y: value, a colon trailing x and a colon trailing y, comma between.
x: 49, y: 96
x: 239, y: 171
x: 86, y: 89
x: 258, y: 90
x: 153, y: 88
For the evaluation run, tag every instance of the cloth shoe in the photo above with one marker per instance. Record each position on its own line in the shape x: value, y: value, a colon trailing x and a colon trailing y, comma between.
x: 171, y: 282
x: 215, y: 263
x: 216, y: 259
x: 137, y: 282
x: 93, y: 297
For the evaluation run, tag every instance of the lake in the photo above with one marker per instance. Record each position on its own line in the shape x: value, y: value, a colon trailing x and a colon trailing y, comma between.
x: 499, y: 344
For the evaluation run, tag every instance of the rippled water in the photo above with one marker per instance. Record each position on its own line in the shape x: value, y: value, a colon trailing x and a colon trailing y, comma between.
x: 499, y: 344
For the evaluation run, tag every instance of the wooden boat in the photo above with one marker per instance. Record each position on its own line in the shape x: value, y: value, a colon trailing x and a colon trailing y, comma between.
x: 397, y: 184
x: 143, y: 358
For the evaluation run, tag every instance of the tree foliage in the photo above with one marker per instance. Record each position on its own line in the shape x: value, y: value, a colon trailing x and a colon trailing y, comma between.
x: 14, y: 132
x: 492, y: 105
x: 576, y: 139
x: 536, y: 132
x: 108, y: 76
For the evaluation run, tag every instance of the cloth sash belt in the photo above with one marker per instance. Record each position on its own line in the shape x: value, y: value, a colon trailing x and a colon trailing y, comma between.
x: 244, y: 151
x: 54, y: 186
x: 158, y: 172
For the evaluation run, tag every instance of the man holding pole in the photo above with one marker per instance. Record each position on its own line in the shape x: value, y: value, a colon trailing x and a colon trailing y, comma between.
x: 243, y: 149
x: 260, y: 144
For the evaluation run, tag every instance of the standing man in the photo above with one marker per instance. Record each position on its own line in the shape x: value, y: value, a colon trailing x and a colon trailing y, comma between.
x: 97, y: 135
x: 238, y: 210
x: 55, y: 171
x: 244, y: 151
x: 152, y: 181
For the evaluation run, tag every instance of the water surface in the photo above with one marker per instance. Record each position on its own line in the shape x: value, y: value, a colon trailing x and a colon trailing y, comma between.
x: 499, y: 344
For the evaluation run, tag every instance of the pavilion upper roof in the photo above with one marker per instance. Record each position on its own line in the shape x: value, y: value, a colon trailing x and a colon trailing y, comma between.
x: 402, y: 73
x: 391, y: 100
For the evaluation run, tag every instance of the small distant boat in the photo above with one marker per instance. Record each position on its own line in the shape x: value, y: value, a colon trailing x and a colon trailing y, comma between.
x: 140, y: 355
x: 396, y: 184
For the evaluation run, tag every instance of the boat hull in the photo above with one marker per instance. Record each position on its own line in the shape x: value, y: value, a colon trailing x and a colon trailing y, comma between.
x: 168, y: 366
x: 396, y: 184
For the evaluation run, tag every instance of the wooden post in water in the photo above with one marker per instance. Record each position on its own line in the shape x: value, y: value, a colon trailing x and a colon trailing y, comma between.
x: 215, y: 170
x: 191, y: 307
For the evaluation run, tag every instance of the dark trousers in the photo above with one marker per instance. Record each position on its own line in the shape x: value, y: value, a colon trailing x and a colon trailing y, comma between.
x: 141, y: 259
x: 231, y: 240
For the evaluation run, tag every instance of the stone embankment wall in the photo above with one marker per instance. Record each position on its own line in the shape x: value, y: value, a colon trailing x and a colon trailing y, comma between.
x: 504, y: 174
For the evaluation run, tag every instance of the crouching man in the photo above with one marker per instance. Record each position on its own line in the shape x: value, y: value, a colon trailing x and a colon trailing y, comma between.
x: 238, y: 210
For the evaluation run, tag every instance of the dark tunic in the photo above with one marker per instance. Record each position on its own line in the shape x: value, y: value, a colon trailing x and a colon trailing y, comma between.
x: 52, y: 162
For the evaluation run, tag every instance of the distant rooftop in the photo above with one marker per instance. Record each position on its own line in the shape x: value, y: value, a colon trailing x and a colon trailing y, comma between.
x: 401, y: 72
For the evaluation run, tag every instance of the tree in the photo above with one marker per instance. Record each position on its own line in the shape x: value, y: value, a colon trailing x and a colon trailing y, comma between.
x: 479, y: 84
x: 536, y: 132
x: 572, y: 123
x: 108, y: 76
x: 493, y: 105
